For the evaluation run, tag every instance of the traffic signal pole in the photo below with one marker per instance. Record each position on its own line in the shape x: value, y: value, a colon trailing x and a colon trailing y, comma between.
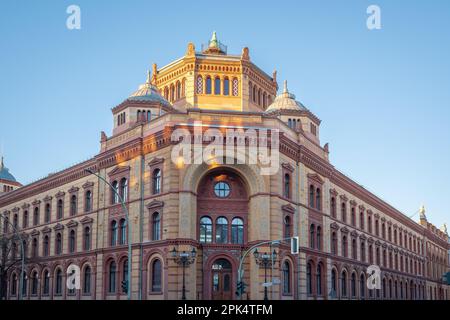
x: 240, y: 285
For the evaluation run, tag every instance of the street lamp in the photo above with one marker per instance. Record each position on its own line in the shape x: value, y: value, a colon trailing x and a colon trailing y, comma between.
x: 265, y: 260
x: 184, y: 259
x: 127, y: 217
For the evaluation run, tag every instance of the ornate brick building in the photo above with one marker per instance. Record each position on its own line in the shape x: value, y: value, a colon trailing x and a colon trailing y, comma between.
x: 218, y: 209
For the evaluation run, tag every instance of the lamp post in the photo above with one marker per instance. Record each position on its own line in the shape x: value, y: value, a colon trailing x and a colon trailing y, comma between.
x: 265, y: 260
x: 127, y: 217
x: 184, y: 259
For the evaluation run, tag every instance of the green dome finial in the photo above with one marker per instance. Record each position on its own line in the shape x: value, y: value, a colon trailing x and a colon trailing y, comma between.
x: 214, y: 42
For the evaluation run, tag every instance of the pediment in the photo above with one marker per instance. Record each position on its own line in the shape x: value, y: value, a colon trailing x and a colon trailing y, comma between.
x: 288, y: 166
x: 155, y: 161
x: 87, y: 220
x: 334, y: 226
x: 288, y: 208
x: 315, y: 177
x: 58, y: 226
x: 71, y: 224
x: 155, y: 204
x: 88, y: 184
x: 118, y: 170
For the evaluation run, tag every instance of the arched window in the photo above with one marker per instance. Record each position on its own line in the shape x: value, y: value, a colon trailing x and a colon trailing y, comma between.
x: 384, y: 288
x: 354, y: 252
x: 87, y: 238
x: 123, y: 231
x: 156, y: 226
x: 319, y: 279
x: 25, y: 219
x: 362, y: 286
x: 58, y: 282
x: 73, y: 205
x: 226, y: 87
x: 353, y: 284
x: 178, y: 90
x: 205, y: 230
x: 199, y: 84
x: 333, y: 283
x: 312, y: 236
x: 47, y: 213
x: 254, y: 94
x: 166, y: 93
x: 113, y: 232
x: 124, y: 189
x: 237, y: 231
x: 24, y: 284
x: 35, y: 248
x: 290, y: 123
x: 311, y: 196
x: 34, y: 283
x: 16, y: 221
x: 343, y: 212
x: 60, y: 209
x: 46, y: 285
x: 208, y: 85
x: 369, y: 223
x: 35, y: 217
x: 46, y: 247
x: 156, y: 276
x: 318, y: 200
x: 363, y: 251
x: 259, y: 96
x: 217, y: 86
x: 72, y: 241
x: 14, y: 285
x: 319, y: 238
x: 344, y: 283
x: 287, y: 185
x: 183, y: 87
x: 287, y: 227
x: 156, y: 181
x: 235, y: 91
x: 353, y: 216
x: 361, y: 220
x: 58, y: 249
x: 334, y: 243
x: 383, y: 231
x: 112, y: 277
x: 309, y: 286
x: 88, y: 201
x: 344, y: 246
x: 172, y: 93
x: 286, y: 278
x: 377, y: 229
x: 87, y: 280
x: 221, y: 230
x: 115, y: 192
x: 333, y: 207
x: 124, y: 273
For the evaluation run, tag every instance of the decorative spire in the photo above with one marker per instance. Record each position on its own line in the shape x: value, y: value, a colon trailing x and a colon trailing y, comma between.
x: 285, y: 88
x: 149, y: 77
x: 1, y: 164
x: 444, y: 228
x: 422, y: 213
x: 213, y: 42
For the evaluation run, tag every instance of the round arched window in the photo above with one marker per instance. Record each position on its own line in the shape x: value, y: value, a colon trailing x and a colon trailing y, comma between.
x: 222, y: 189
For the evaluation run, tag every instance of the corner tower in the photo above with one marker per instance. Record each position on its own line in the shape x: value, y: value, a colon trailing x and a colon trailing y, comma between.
x: 215, y: 80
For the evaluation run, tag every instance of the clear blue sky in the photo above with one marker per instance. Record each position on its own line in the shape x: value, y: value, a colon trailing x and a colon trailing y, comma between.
x: 383, y: 96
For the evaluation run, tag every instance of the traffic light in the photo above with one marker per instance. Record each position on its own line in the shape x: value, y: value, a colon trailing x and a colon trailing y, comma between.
x: 124, y: 286
x: 240, y: 288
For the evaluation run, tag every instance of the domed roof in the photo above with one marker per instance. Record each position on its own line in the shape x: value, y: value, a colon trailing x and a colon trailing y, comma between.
x: 4, y: 173
x: 148, y: 92
x: 286, y: 101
